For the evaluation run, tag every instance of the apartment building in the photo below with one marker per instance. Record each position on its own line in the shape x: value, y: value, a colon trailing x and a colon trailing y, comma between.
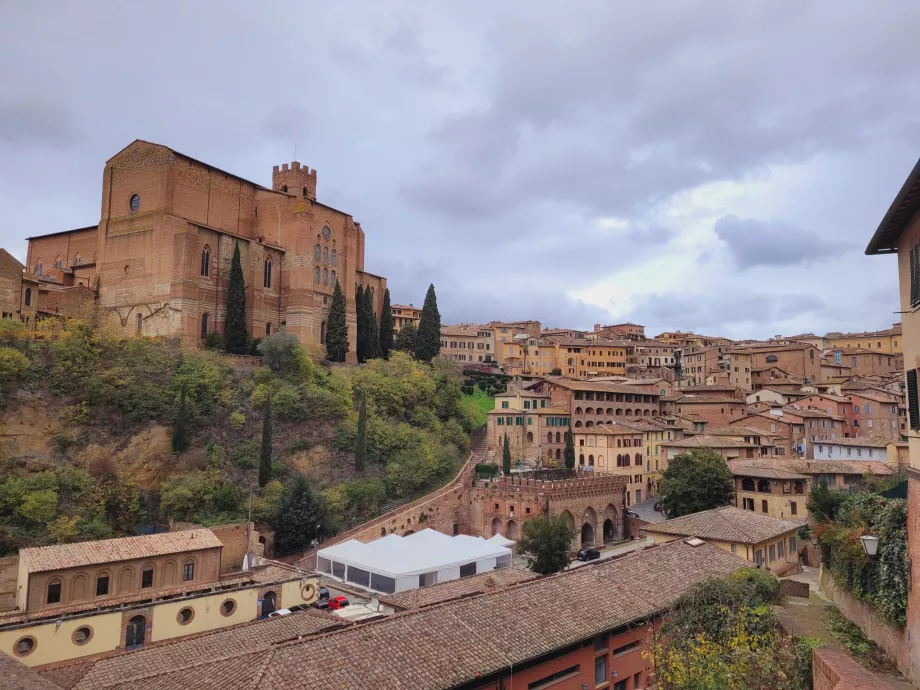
x: 578, y: 358
x: 887, y: 340
x: 802, y: 361
x: 403, y: 315
x: 863, y: 362
x: 599, y: 402
x: 467, y: 343
x: 616, y: 448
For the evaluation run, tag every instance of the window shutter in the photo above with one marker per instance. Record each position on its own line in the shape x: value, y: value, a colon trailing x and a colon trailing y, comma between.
x: 915, y: 275
x: 913, y: 411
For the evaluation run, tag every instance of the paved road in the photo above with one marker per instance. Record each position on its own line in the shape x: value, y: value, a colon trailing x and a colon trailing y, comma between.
x: 611, y: 552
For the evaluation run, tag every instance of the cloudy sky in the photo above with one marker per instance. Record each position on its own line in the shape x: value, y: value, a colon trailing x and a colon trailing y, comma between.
x: 716, y: 167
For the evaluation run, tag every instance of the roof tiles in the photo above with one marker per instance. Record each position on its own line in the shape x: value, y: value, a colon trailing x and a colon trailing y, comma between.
x: 726, y: 524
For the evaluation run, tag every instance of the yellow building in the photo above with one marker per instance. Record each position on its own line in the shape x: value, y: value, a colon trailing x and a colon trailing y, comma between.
x: 617, y: 448
x: 779, y: 493
x: 758, y: 538
x: 889, y: 340
x: 404, y: 314
x: 526, y: 356
x: 579, y: 358
x: 116, y: 595
x: 467, y: 343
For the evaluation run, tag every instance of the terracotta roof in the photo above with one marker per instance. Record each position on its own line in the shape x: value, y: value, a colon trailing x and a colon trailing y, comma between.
x: 602, y: 342
x: 613, y: 428
x: 45, y: 558
x: 809, y: 411
x: 861, y: 351
x: 874, y: 394
x: 464, y: 331
x: 735, y: 430
x: 726, y: 524
x: 742, y: 470
x: 477, y: 584
x: 576, y: 385
x: 700, y: 399
x: 17, y: 676
x: 811, y: 467
x: 706, y: 441
x: 172, y: 657
x: 760, y: 349
x: 482, y: 634
x: 865, y: 442
x: 717, y: 387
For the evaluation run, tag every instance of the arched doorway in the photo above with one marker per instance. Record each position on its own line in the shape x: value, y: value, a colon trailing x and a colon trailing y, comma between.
x: 496, y: 526
x: 608, y: 531
x: 511, y: 531
x: 588, y: 527
x: 268, y: 603
x: 134, y: 635
x: 611, y: 523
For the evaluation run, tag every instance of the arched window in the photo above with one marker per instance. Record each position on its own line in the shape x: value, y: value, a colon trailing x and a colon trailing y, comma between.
x: 317, y: 252
x: 268, y: 329
x: 638, y: 459
x: 54, y: 591
x: 549, y: 437
x: 558, y: 454
x: 206, y: 261
x: 304, y: 192
x: 204, y: 325
x: 332, y: 278
x: 284, y: 188
x: 335, y: 258
x: 581, y: 459
x: 772, y: 358
x: 102, y: 584
x: 591, y: 460
x: 316, y: 274
x: 747, y: 484
x: 78, y: 260
x: 28, y: 299
x: 140, y: 323
x: 322, y: 333
x: 59, y: 263
x: 325, y: 255
x: 267, y: 274
x: 39, y: 269
x: 325, y: 276
x: 188, y: 571
x: 529, y: 437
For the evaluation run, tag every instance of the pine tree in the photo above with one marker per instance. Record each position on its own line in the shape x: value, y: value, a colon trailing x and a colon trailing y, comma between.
x: 336, y: 330
x: 361, y: 443
x: 180, y: 431
x: 361, y: 321
x: 569, y: 448
x: 406, y: 338
x: 428, y: 344
x: 386, y: 326
x: 373, y: 338
x: 265, y: 455
x: 236, y: 339
x: 506, y: 458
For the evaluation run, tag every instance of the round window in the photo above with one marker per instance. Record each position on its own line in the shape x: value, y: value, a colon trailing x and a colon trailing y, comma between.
x: 135, y: 202
x: 327, y: 233
x: 185, y: 615
x: 82, y: 635
x: 24, y: 646
x: 228, y: 607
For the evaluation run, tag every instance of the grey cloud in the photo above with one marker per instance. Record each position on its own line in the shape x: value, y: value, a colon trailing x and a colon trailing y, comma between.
x: 774, y: 243
x: 36, y: 123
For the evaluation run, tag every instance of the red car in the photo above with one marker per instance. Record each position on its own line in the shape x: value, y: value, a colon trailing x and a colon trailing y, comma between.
x: 336, y: 603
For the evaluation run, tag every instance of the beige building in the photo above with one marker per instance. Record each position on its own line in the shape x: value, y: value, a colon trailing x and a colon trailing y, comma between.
x: 617, y: 448
x: 105, y: 597
x: 761, y: 539
x: 467, y: 343
x: 587, y: 358
x: 777, y: 492
x: 404, y: 314
x: 887, y: 340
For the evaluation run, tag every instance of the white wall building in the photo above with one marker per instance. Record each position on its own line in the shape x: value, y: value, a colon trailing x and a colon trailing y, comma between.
x: 851, y: 449
x: 396, y: 564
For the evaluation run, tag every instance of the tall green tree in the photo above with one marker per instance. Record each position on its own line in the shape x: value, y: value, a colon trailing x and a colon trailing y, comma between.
x: 302, y: 516
x: 361, y: 322
x: 236, y: 338
x: 336, y: 329
x: 428, y: 343
x: 406, y: 339
x: 506, y: 458
x: 180, y: 430
x: 265, y: 454
x: 695, y: 481
x: 361, y: 441
x: 546, y: 544
x: 373, y: 340
x: 569, y: 448
x: 386, y: 326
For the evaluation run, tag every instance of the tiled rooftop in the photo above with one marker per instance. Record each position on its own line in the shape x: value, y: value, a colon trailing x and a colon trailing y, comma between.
x: 726, y: 524
x: 740, y: 469
x: 45, y: 558
x: 17, y: 676
x: 477, y: 584
x: 708, y: 441
x: 576, y: 385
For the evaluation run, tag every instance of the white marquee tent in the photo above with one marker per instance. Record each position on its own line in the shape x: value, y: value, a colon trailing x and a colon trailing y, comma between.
x: 396, y: 564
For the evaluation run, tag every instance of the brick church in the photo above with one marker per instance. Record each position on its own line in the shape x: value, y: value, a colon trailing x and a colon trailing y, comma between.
x: 158, y: 262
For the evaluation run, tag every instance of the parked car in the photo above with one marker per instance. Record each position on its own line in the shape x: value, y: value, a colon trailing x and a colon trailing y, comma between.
x: 323, y: 594
x: 657, y: 507
x: 631, y: 513
x: 336, y: 603
x: 299, y: 607
x: 279, y: 612
x: 588, y: 554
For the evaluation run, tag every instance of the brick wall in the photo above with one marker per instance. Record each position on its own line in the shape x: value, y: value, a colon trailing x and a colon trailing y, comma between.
x: 10, y: 281
x: 833, y: 669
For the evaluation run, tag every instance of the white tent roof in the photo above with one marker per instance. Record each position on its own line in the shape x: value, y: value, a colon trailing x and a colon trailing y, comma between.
x: 499, y: 540
x: 421, y: 552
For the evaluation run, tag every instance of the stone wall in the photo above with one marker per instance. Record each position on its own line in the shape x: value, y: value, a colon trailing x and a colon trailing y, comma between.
x: 9, y: 575
x: 833, y: 669
x: 238, y: 539
x: 891, y: 639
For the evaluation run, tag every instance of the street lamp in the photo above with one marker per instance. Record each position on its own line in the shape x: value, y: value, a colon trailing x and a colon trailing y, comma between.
x: 870, y: 545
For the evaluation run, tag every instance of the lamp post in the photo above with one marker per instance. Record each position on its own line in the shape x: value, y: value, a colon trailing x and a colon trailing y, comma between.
x: 870, y: 545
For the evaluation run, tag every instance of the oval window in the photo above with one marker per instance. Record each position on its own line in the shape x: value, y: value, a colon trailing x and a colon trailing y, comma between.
x: 327, y: 233
x: 135, y: 203
x: 24, y: 646
x: 185, y: 616
x: 82, y: 635
x: 228, y: 607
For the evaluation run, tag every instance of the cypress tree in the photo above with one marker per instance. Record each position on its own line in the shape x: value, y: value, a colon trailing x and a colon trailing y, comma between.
x: 361, y: 321
x: 373, y: 338
x: 265, y: 454
x: 180, y: 430
x: 236, y: 339
x: 361, y: 442
x: 336, y: 330
x: 506, y: 458
x: 428, y: 343
x: 569, y: 448
x: 386, y: 326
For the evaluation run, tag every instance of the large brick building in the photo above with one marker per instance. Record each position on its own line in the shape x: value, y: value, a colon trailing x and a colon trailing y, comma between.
x: 10, y: 280
x: 159, y: 258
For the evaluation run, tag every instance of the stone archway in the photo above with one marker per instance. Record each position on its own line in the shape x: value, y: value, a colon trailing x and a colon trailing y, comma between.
x: 611, y: 523
x: 496, y: 526
x: 511, y: 530
x: 588, y: 527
